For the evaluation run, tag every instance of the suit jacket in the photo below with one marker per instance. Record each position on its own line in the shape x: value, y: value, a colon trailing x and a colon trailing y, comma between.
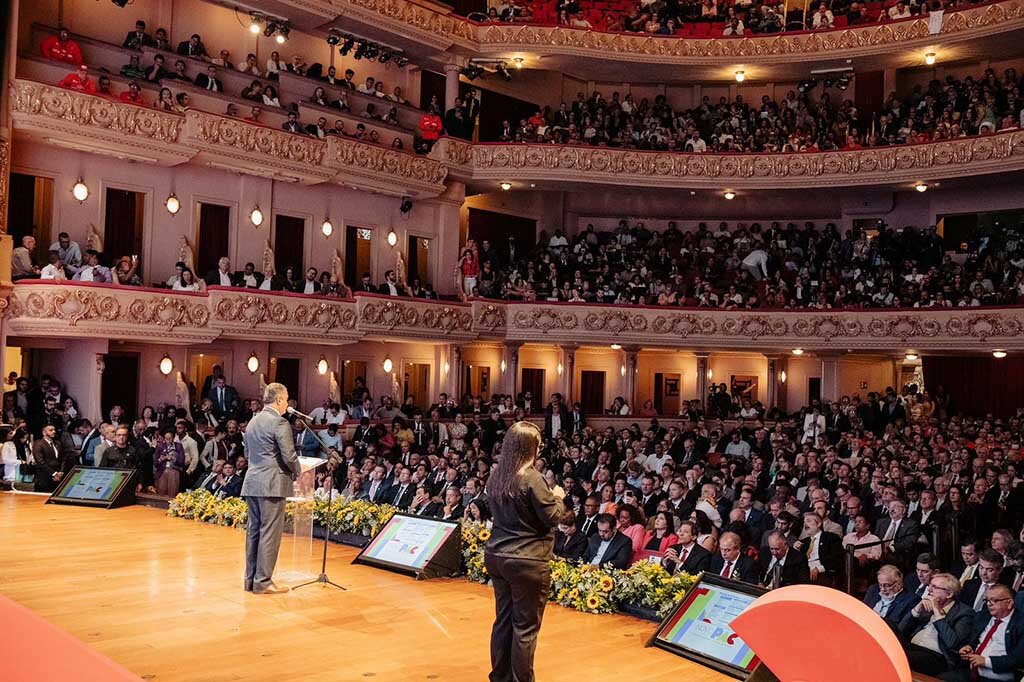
x: 185, y: 48
x: 379, y: 495
x: 231, y: 488
x: 698, y: 560
x: 577, y: 422
x: 906, y: 535
x: 47, y: 462
x: 213, y: 278
x: 954, y: 630
x: 581, y: 523
x: 1014, y: 657
x: 273, y: 462
x: 830, y: 551
x: 969, y: 592
x: 203, y: 81
x: 230, y: 400
x: 618, y: 554
x: 571, y: 547
x: 744, y: 568
x: 900, y: 607
x: 399, y: 498
x: 794, y: 571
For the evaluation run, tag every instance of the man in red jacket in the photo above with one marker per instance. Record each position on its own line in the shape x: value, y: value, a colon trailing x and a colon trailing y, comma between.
x: 62, y: 48
x: 79, y: 81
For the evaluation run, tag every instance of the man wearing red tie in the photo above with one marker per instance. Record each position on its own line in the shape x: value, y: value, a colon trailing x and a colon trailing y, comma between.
x: 997, y: 647
x: 731, y: 562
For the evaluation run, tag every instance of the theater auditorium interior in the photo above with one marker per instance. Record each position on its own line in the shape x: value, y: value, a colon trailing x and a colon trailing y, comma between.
x: 754, y: 268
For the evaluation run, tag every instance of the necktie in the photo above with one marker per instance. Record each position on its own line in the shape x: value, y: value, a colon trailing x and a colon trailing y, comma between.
x: 810, y: 548
x: 1017, y: 581
x: 988, y: 635
x: 682, y: 557
x: 979, y: 601
x: 212, y: 85
x: 727, y: 569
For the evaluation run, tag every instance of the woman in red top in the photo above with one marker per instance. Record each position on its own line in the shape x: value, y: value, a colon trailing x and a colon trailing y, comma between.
x: 429, y: 129
x: 62, y: 48
x: 468, y: 269
x: 660, y: 538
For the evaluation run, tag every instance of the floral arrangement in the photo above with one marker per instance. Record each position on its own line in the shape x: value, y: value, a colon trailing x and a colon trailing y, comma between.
x: 358, y: 518
x: 474, y: 537
x: 582, y: 587
x: 651, y: 586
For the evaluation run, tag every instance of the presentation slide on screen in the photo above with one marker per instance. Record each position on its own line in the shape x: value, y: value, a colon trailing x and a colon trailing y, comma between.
x: 93, y: 484
x: 702, y: 624
x: 408, y: 541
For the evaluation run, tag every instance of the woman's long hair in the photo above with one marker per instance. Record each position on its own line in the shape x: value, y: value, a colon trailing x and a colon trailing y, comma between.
x: 518, y: 450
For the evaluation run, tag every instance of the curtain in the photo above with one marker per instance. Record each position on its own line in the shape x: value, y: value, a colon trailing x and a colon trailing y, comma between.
x: 214, y: 228
x: 122, y: 229
x: 289, y: 236
x: 977, y: 385
x: 592, y: 392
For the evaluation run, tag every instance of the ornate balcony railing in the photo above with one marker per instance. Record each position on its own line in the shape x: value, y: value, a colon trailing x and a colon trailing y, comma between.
x: 88, y: 123
x: 72, y: 309
x: 432, y: 26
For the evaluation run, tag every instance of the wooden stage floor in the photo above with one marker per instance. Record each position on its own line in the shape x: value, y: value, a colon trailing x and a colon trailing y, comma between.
x: 164, y: 598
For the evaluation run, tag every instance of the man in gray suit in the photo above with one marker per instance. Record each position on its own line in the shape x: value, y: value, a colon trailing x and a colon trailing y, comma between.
x: 273, y: 465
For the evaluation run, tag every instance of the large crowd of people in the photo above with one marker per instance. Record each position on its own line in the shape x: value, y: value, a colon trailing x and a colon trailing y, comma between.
x: 903, y: 498
x: 752, y: 266
x: 943, y: 110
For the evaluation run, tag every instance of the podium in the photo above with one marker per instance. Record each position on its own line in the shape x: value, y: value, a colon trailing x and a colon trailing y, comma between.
x: 300, y: 562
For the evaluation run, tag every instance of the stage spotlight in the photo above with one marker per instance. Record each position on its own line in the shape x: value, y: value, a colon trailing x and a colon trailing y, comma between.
x: 270, y: 28
x: 347, y: 47
x: 333, y: 38
x: 472, y: 72
x: 808, y: 85
x: 385, y: 57
x: 843, y: 83
x: 406, y: 205
x: 921, y: 187
x: 282, y: 34
x: 371, y: 51
x: 999, y: 354
x: 402, y: 62
x: 503, y: 72
x: 740, y: 76
x: 518, y: 61
x: 255, y: 23
x: 929, y: 58
x: 360, y: 51
x: 120, y: 3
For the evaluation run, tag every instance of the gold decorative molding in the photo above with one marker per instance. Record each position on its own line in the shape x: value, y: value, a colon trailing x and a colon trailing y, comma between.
x: 69, y: 310
x: 5, y: 179
x: 442, y: 30
x: 59, y: 105
x: 389, y: 171
x: 881, y: 165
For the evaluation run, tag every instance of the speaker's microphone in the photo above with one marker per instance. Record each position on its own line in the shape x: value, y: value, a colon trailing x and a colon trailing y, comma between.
x: 300, y: 415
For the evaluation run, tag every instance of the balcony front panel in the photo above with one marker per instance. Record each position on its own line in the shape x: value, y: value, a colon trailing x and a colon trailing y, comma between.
x: 439, y: 30
x: 999, y: 152
x: 414, y: 319
x: 266, y: 316
x: 967, y: 330
x: 52, y: 309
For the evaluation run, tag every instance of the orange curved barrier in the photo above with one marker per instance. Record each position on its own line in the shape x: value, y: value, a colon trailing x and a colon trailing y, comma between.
x: 32, y: 649
x: 807, y: 633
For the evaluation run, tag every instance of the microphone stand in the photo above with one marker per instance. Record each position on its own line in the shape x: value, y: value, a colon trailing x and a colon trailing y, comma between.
x: 323, y: 578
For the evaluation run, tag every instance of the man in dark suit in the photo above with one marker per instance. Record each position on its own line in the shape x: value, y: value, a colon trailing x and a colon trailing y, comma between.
x: 990, y: 574
x: 376, y: 488
x: 555, y: 422
x: 836, y: 423
x: 391, y: 285
x: 925, y: 566
x: 577, y: 420
x: 365, y: 284
x: 687, y: 556
x: 937, y: 628
x: 402, y: 493
x: 899, y: 533
x: 273, y: 465
x: 791, y: 565
x: 231, y: 483
x: 996, y: 648
x: 730, y: 561
x: 193, y: 47
x: 649, y: 498
x: 221, y: 276
x: 209, y: 80
x: 224, y: 398
x: 888, y: 598
x: 824, y: 550
x: 49, y: 465
x: 609, y: 547
x: 587, y: 521
x: 138, y: 39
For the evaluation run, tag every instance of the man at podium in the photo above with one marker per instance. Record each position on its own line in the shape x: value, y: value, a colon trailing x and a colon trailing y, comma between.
x: 273, y: 465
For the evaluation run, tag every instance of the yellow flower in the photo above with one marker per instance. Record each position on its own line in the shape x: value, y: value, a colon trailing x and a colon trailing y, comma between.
x: 485, y: 534
x: 473, y: 547
x: 606, y: 583
x: 592, y: 602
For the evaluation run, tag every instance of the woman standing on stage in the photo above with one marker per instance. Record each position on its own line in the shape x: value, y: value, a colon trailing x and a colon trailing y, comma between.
x: 525, y: 512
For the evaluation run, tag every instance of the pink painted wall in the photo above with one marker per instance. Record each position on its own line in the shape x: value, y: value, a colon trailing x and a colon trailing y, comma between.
x: 194, y: 184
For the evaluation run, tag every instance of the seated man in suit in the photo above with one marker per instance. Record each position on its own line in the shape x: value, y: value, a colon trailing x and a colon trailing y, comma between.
x: 587, y: 520
x: 791, y: 565
x: 925, y: 566
x: 990, y: 570
x: 731, y: 562
x: 996, y: 648
x: 222, y: 276
x: 887, y: 597
x: 609, y: 547
x: 230, y: 484
x: 899, y: 532
x: 937, y: 627
x: 687, y: 556
x: 376, y: 487
x: 824, y: 550
x: 403, y: 491
x: 452, y: 510
x: 570, y: 542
